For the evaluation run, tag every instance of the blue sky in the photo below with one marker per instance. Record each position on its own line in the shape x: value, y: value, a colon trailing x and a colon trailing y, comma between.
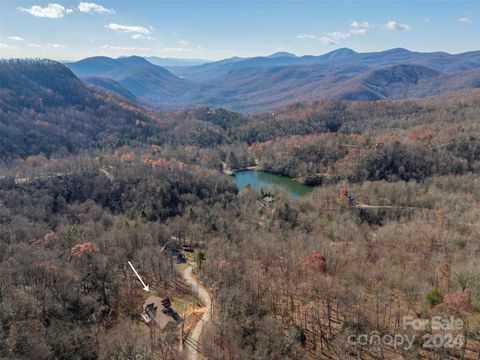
x: 69, y: 29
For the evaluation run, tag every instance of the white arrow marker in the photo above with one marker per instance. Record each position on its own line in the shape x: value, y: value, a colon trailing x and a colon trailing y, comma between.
x: 145, y: 287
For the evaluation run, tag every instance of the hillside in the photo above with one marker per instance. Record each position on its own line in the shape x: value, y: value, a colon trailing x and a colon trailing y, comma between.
x: 404, y: 82
x: 47, y: 110
x: 256, y: 89
x: 35, y: 84
x: 145, y: 80
x: 109, y: 85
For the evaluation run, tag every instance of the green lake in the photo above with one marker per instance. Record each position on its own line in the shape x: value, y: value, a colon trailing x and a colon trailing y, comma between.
x: 266, y: 181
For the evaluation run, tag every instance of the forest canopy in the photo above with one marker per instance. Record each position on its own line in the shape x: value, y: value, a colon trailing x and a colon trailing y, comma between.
x: 90, y: 181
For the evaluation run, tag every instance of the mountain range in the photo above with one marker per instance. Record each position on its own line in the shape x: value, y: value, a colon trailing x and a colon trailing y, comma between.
x: 261, y: 83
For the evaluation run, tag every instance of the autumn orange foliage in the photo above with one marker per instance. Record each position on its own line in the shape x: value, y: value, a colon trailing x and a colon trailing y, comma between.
x: 84, y: 249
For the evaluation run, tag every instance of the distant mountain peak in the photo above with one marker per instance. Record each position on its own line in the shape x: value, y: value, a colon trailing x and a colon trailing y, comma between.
x: 340, y: 53
x: 343, y: 50
x: 281, y: 54
x: 134, y: 60
x: 398, y: 50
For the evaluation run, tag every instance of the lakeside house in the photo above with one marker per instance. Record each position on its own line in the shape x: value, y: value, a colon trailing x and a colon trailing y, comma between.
x: 268, y: 200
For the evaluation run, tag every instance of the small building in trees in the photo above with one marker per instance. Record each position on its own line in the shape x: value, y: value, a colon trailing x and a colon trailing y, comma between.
x: 188, y: 248
x: 173, y: 252
x: 160, y: 312
x: 127, y: 159
x: 268, y: 200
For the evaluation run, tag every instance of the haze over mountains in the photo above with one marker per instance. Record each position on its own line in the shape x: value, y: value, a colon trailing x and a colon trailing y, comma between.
x: 171, y: 62
x: 261, y: 83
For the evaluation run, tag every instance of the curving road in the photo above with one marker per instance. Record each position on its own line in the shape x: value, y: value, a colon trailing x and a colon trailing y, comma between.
x: 204, y: 297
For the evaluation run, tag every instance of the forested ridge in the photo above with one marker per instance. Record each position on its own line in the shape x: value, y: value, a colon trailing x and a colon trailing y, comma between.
x: 90, y: 181
x: 261, y: 83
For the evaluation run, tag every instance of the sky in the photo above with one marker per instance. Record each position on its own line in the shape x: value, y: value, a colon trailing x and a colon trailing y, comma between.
x: 216, y: 29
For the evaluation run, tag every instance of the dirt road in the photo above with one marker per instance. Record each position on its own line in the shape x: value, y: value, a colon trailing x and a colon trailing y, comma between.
x: 204, y: 297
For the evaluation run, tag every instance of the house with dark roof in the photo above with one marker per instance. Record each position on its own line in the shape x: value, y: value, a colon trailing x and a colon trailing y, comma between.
x: 159, y: 312
x: 172, y: 251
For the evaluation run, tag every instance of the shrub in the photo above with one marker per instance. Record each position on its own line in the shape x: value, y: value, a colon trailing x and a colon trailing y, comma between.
x: 435, y: 297
x: 315, y: 261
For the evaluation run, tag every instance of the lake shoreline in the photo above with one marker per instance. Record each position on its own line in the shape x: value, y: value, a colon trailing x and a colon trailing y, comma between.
x: 232, y: 172
x: 261, y: 179
x: 310, y: 181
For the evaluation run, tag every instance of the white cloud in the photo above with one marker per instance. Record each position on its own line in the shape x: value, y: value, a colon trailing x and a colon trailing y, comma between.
x: 4, y: 46
x: 124, y: 48
x: 358, y: 31
x: 87, y: 7
x: 177, y: 49
x: 113, y: 47
x: 127, y: 49
x: 338, y: 35
x: 325, y: 40
x: 465, y: 20
x: 15, y: 38
x: 49, y: 46
x: 331, y: 38
x: 306, y: 37
x: 51, y: 11
x: 395, y: 26
x: 128, y: 28
x: 142, y: 37
x: 184, y: 42
x: 334, y: 37
x: 359, y: 27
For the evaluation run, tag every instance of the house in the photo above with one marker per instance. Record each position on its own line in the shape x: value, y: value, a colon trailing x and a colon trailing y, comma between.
x: 268, y: 200
x: 188, y: 248
x: 160, y: 312
x: 128, y: 159
x: 172, y: 251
